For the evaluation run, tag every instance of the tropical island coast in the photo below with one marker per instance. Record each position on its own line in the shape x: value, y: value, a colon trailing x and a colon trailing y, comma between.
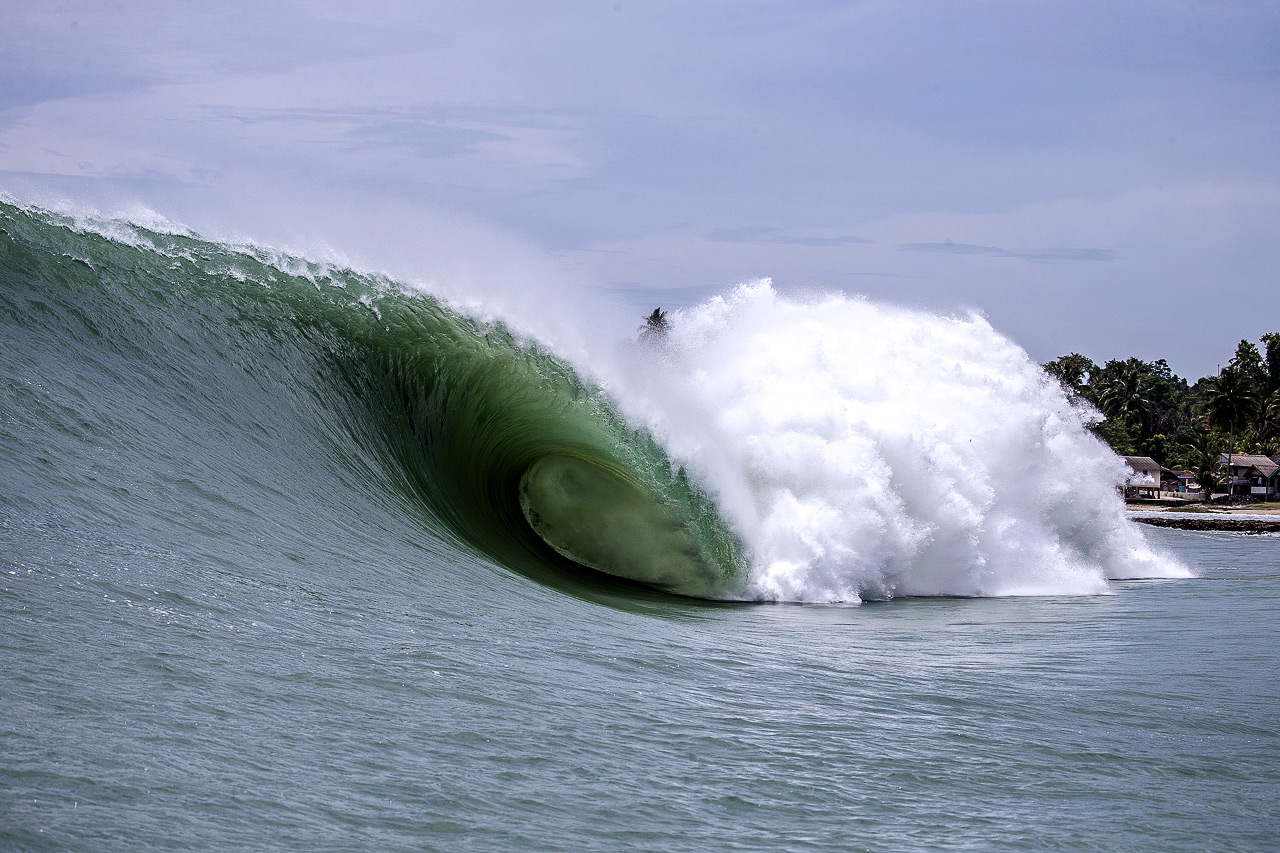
x: 1202, y: 455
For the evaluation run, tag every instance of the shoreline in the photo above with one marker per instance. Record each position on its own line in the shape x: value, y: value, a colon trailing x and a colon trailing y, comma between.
x: 1233, y: 520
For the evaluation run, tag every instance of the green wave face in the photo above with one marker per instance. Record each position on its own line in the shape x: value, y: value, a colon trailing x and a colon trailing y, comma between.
x: 597, y: 517
x: 509, y: 451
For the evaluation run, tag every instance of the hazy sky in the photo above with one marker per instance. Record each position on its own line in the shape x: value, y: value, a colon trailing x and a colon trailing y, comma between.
x: 1093, y: 176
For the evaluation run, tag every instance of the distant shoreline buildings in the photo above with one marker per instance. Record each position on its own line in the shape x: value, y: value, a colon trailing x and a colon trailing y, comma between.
x: 1242, y: 475
x: 1217, y: 437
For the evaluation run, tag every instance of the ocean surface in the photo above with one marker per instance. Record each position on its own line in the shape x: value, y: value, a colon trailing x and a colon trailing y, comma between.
x: 299, y: 557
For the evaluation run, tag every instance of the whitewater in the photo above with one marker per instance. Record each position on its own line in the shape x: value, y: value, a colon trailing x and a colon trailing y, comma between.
x: 867, y: 451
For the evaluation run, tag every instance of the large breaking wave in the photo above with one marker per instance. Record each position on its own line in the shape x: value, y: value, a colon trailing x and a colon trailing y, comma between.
x: 828, y: 450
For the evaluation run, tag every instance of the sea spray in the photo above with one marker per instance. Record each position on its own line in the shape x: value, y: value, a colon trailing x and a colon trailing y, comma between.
x: 867, y: 451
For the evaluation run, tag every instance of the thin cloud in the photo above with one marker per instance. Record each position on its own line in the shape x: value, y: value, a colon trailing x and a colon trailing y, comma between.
x: 425, y: 136
x: 880, y: 274
x: 775, y: 236
x: 1064, y: 254
x: 1067, y: 255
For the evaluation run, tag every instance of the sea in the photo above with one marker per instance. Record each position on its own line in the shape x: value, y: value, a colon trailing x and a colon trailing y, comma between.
x: 295, y: 555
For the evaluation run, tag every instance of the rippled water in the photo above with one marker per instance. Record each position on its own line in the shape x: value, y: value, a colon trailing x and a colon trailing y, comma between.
x: 150, y: 703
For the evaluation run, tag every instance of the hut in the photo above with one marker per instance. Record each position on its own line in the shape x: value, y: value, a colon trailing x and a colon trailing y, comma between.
x: 1251, y: 474
x: 1144, y: 477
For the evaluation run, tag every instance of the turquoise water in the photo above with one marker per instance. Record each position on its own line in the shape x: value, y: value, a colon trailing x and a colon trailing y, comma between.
x: 256, y: 593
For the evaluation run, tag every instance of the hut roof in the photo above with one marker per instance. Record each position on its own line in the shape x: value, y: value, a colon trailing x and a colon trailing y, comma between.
x: 1265, y: 464
x: 1142, y: 463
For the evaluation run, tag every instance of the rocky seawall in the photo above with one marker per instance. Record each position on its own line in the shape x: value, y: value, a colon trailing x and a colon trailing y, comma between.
x: 1234, y: 525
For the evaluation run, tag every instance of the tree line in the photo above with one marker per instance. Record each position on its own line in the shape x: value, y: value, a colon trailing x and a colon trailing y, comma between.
x: 1146, y: 410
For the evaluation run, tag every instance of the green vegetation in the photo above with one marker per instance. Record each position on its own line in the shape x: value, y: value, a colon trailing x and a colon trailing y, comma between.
x: 1145, y: 410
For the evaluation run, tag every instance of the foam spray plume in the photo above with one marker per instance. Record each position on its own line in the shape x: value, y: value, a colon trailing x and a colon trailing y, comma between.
x: 864, y: 451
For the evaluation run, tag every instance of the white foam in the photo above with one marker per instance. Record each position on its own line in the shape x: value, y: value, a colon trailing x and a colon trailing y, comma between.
x: 864, y: 451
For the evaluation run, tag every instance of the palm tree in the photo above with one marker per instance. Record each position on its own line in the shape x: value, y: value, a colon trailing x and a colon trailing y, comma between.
x: 1126, y: 396
x: 1203, y: 463
x: 1230, y: 402
x: 1272, y: 411
x: 1073, y: 371
x: 655, y: 326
